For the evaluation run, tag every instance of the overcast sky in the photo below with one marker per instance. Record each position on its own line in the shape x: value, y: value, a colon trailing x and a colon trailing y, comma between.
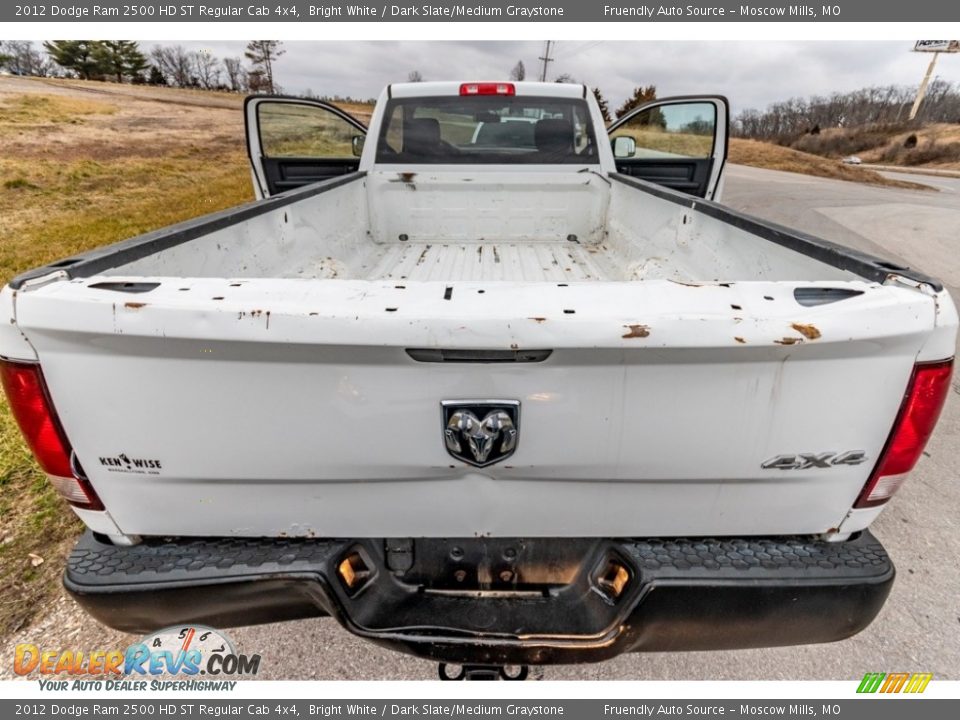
x: 751, y: 74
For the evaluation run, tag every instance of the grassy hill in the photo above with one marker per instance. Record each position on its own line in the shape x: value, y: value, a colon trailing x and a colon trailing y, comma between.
x: 934, y: 146
x: 775, y: 157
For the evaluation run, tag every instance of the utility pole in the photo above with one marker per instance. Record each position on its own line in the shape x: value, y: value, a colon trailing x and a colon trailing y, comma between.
x: 936, y: 47
x: 546, y: 59
x: 922, y: 91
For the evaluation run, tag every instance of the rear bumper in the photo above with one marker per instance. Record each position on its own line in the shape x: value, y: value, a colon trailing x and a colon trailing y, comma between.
x: 500, y: 601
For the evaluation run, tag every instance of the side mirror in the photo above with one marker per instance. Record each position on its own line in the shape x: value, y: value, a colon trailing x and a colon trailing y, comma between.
x: 624, y: 147
x: 356, y: 143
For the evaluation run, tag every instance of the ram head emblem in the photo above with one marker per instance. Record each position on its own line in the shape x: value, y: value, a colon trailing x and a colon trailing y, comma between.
x: 481, y: 432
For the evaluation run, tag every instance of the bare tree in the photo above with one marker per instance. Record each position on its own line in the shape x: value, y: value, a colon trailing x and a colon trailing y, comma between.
x: 519, y: 72
x: 20, y: 57
x: 174, y: 63
x: 414, y: 76
x: 262, y: 54
x: 206, y: 70
x: 787, y: 120
x: 236, y: 76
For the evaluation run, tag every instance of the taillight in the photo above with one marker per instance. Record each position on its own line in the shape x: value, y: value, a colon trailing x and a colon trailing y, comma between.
x: 919, y: 411
x: 32, y: 409
x: 488, y: 89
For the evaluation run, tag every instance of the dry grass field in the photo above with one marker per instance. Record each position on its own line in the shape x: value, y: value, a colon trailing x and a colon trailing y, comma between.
x: 80, y: 168
x: 776, y: 157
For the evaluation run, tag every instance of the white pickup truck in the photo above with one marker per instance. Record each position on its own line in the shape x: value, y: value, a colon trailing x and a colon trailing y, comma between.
x: 487, y: 382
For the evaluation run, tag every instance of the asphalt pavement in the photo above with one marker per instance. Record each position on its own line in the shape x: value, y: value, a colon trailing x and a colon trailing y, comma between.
x: 919, y: 628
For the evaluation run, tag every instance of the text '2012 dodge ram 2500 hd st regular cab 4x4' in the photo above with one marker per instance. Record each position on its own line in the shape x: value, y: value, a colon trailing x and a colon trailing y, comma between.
x: 488, y: 383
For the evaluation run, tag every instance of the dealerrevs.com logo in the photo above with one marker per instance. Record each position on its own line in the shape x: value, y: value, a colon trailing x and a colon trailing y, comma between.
x: 190, y: 651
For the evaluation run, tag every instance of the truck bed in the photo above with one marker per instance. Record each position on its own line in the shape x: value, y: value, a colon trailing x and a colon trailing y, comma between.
x: 565, y: 227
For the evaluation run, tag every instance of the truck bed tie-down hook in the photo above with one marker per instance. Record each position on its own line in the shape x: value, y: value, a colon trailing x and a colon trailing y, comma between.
x: 483, y: 672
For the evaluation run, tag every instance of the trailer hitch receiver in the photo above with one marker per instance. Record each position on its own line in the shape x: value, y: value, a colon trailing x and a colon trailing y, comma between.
x: 483, y: 672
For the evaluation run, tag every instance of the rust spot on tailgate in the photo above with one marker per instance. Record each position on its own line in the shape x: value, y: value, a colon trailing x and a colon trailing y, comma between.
x: 636, y: 331
x: 134, y: 305
x: 538, y: 319
x: 740, y: 340
x: 788, y: 341
x: 810, y: 332
x: 407, y: 179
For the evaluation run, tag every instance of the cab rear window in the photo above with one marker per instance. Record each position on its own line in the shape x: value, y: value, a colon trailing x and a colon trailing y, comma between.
x: 487, y: 129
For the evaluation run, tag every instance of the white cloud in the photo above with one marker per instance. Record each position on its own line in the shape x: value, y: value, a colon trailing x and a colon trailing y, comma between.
x: 751, y: 74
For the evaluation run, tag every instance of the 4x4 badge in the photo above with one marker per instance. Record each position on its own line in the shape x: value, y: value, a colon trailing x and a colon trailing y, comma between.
x: 805, y: 461
x: 481, y: 432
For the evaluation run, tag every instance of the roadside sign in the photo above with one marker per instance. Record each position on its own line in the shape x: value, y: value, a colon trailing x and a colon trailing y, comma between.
x: 946, y: 46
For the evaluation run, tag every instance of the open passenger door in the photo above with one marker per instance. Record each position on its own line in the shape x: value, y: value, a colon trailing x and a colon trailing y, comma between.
x: 293, y: 142
x: 678, y: 142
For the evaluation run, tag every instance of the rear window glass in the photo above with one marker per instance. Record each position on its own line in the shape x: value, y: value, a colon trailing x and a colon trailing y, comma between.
x: 487, y: 129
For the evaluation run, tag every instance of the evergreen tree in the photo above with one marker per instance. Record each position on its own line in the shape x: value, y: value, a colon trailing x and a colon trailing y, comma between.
x: 120, y: 58
x: 640, y: 96
x: 256, y: 82
x: 604, y: 106
x: 156, y: 77
x: 80, y: 56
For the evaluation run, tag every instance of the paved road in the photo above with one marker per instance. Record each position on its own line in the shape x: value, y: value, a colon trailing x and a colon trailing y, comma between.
x: 944, y: 183
x: 918, y: 630
x: 916, y: 227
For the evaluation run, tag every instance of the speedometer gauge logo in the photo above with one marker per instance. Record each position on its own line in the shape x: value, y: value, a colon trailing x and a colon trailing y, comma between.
x: 189, y: 650
x: 185, y: 638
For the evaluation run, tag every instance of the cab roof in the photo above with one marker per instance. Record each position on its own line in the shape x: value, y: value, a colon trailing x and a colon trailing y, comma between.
x: 452, y: 88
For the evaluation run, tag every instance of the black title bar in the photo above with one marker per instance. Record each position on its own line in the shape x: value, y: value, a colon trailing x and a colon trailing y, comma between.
x: 487, y: 11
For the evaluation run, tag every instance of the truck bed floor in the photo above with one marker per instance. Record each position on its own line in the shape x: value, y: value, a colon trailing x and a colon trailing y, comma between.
x: 534, y: 261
